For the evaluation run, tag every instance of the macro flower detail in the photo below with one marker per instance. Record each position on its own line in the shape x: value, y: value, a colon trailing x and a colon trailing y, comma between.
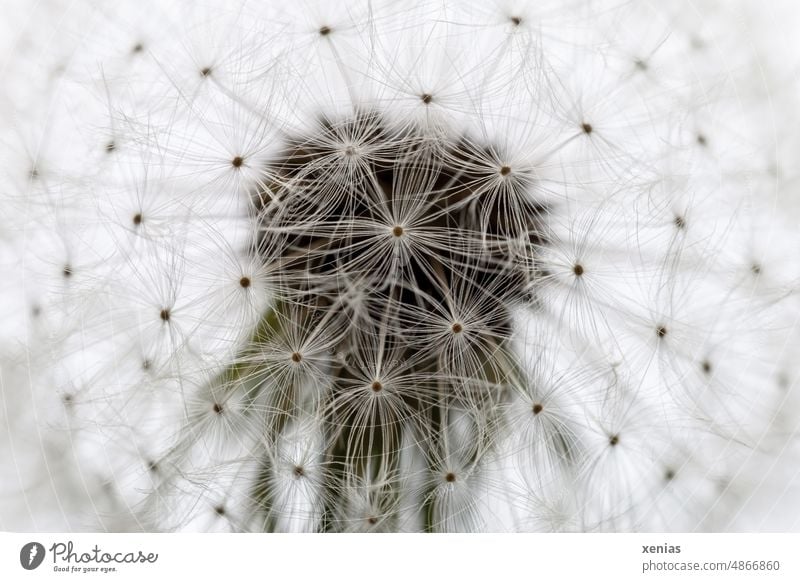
x: 439, y: 267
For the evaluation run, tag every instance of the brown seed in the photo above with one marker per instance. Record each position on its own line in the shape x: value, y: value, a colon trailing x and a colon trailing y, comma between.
x: 587, y: 128
x: 457, y: 328
x: 398, y: 231
x: 537, y: 408
x: 244, y: 282
x: 450, y: 477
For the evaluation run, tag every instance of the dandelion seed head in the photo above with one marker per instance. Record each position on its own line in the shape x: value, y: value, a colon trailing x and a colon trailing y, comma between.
x: 407, y: 261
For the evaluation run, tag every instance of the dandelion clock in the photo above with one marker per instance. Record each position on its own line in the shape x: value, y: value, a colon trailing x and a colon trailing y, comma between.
x: 399, y: 267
